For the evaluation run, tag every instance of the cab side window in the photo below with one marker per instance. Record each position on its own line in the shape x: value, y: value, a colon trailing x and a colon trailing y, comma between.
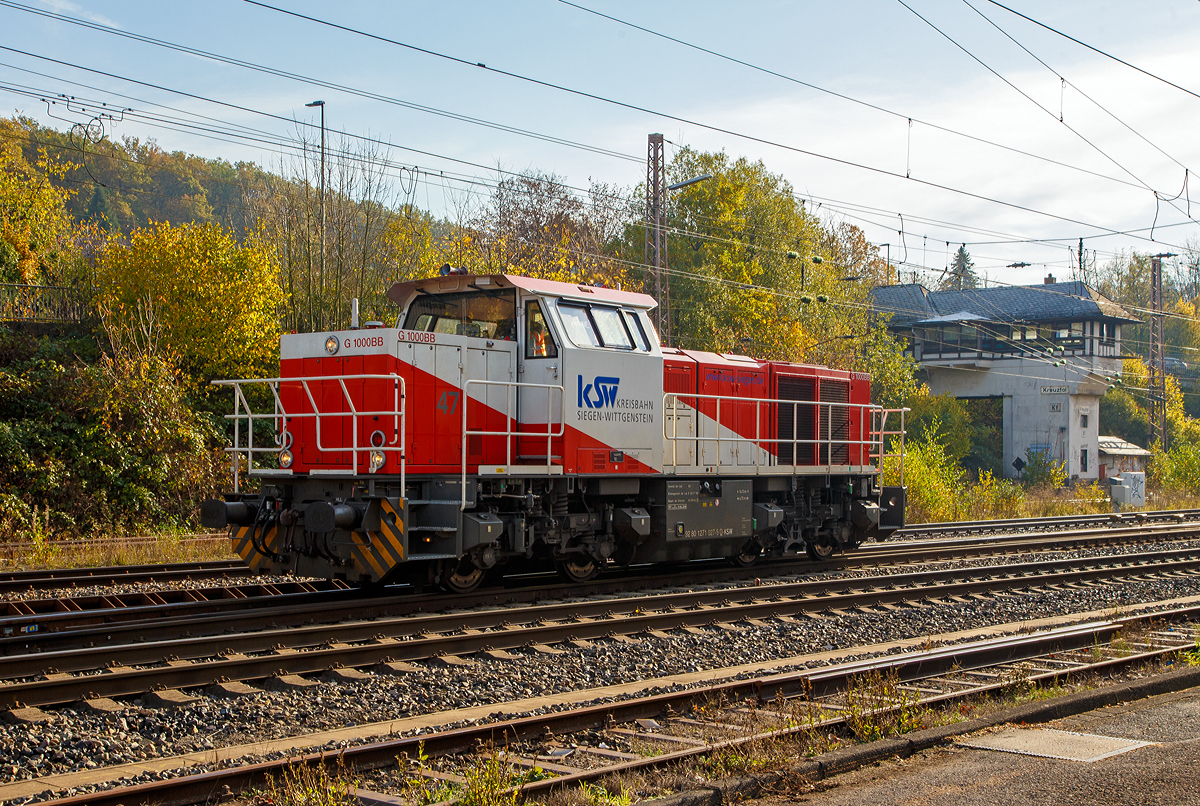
x: 635, y: 327
x: 539, y: 342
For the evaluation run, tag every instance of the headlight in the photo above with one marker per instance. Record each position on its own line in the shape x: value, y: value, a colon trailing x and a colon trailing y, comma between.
x: 285, y: 458
x: 331, y: 345
x: 377, y: 459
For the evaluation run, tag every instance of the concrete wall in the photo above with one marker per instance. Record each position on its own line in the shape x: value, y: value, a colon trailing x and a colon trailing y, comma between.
x: 1043, y: 404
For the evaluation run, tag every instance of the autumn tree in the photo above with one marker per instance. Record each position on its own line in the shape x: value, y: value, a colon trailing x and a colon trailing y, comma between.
x: 36, y: 230
x: 752, y: 271
x: 195, y: 294
x: 373, y: 234
x: 535, y: 224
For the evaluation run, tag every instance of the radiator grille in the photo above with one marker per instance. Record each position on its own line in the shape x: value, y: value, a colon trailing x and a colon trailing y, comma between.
x: 835, y: 421
x: 796, y: 416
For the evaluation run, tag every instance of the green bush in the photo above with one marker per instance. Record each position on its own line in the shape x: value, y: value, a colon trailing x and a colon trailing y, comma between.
x: 1042, y: 471
x: 993, y: 498
x: 107, y: 444
x: 934, y: 480
x: 1177, y: 469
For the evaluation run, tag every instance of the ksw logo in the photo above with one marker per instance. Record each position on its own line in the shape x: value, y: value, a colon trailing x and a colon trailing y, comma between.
x: 599, y: 393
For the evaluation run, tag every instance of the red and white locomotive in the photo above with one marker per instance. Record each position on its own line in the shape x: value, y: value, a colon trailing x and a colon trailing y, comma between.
x: 509, y: 419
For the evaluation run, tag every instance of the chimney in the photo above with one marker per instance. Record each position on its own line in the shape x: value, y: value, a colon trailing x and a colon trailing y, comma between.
x: 1049, y: 280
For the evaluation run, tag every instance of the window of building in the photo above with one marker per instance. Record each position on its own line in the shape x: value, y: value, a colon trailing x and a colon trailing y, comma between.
x: 1083, y: 421
x: 1083, y: 460
x: 539, y: 341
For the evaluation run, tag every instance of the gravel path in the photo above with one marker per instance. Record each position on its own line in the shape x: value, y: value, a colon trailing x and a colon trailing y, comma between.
x: 75, y: 739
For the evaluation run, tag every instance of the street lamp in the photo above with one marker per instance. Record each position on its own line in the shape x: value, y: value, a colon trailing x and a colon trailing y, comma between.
x: 322, y: 105
x: 689, y: 182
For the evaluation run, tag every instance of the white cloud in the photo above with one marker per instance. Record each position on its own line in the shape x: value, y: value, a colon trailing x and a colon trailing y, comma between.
x: 66, y: 7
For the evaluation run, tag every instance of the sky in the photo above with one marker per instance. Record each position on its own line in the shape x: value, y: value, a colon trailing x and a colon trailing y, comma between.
x: 920, y: 151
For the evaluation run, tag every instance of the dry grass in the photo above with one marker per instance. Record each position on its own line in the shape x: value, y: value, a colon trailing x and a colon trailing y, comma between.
x: 309, y: 785
x: 84, y: 553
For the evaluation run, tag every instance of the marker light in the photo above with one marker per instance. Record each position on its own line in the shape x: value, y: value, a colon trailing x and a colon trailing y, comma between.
x: 285, y: 458
x: 377, y: 459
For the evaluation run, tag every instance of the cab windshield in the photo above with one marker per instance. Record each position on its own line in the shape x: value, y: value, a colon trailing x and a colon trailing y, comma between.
x: 481, y: 314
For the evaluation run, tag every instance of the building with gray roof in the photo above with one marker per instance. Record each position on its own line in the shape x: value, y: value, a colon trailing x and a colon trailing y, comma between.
x: 1049, y: 351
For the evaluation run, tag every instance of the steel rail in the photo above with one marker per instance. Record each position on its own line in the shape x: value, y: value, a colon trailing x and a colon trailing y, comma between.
x: 109, y: 575
x: 27, y: 619
x: 382, y: 640
x: 209, y: 785
x: 1142, y: 516
x: 405, y: 617
x: 101, y: 575
x: 61, y: 623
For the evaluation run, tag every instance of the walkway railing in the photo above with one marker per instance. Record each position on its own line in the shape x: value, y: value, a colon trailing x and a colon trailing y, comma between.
x: 829, y: 418
x: 40, y: 303
x: 377, y: 447
x: 512, y: 420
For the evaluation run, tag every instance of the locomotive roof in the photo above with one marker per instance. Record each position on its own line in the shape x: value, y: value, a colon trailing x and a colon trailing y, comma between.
x: 401, y: 293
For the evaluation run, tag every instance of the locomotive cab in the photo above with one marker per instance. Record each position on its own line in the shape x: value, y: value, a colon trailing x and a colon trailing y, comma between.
x: 507, y: 419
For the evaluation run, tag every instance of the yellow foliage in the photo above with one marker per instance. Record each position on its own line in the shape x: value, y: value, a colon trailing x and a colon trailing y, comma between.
x: 993, y: 498
x: 35, y: 227
x: 1135, y: 373
x: 196, y: 293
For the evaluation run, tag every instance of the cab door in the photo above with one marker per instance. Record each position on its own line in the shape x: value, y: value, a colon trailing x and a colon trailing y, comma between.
x: 540, y: 409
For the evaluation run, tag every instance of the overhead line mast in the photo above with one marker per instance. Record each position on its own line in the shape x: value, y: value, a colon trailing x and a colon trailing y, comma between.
x: 1157, y: 392
x: 656, y: 253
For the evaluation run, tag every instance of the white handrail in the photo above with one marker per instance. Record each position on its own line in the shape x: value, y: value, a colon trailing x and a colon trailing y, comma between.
x: 509, y: 420
x: 282, y: 417
x: 872, y: 443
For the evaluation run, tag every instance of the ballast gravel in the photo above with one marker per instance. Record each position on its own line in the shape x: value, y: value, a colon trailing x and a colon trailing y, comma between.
x: 75, y: 740
x: 143, y: 586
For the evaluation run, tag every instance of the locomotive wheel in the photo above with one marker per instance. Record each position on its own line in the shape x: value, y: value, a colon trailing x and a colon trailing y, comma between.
x: 820, y: 551
x: 748, y: 556
x: 460, y: 576
x: 577, y: 569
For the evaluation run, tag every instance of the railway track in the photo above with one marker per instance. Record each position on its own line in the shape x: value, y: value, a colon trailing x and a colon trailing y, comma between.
x: 1047, y: 524
x: 108, y: 620
x: 587, y: 742
x: 295, y: 647
x: 61, y: 578
x: 57, y: 579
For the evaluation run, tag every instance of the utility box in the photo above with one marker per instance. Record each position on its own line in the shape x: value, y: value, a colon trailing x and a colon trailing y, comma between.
x: 1128, y: 489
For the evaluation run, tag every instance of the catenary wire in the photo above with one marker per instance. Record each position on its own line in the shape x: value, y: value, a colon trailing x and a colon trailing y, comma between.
x: 688, y: 121
x: 184, y: 49
x: 1075, y: 87
x: 849, y: 98
x: 1022, y: 93
x: 1095, y: 49
x: 679, y: 231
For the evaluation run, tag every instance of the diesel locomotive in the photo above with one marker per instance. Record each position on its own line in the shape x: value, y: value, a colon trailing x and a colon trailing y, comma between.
x: 512, y: 421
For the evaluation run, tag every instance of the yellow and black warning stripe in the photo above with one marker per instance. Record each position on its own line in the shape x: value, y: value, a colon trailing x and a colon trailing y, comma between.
x: 243, y: 546
x: 391, y: 529
x: 377, y: 553
x: 364, y: 556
